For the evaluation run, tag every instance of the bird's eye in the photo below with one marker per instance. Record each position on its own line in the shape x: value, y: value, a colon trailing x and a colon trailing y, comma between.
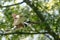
x: 15, y: 18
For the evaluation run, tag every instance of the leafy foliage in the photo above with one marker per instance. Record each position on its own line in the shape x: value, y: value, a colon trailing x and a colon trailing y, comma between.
x: 50, y: 10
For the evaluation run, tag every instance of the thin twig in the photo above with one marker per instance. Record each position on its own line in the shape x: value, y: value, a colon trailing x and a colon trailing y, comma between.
x: 12, y: 4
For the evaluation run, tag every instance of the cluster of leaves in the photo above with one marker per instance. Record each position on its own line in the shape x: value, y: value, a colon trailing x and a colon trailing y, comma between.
x: 50, y: 11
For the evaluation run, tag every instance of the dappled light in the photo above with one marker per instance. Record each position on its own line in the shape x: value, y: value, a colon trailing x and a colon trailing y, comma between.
x: 29, y: 19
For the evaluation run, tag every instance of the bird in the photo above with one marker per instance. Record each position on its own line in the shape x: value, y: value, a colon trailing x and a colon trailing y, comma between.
x: 18, y: 21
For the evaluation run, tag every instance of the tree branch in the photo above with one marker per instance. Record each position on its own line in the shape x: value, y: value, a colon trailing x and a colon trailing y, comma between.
x: 11, y: 5
x: 36, y: 10
x: 22, y: 33
x: 39, y: 15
